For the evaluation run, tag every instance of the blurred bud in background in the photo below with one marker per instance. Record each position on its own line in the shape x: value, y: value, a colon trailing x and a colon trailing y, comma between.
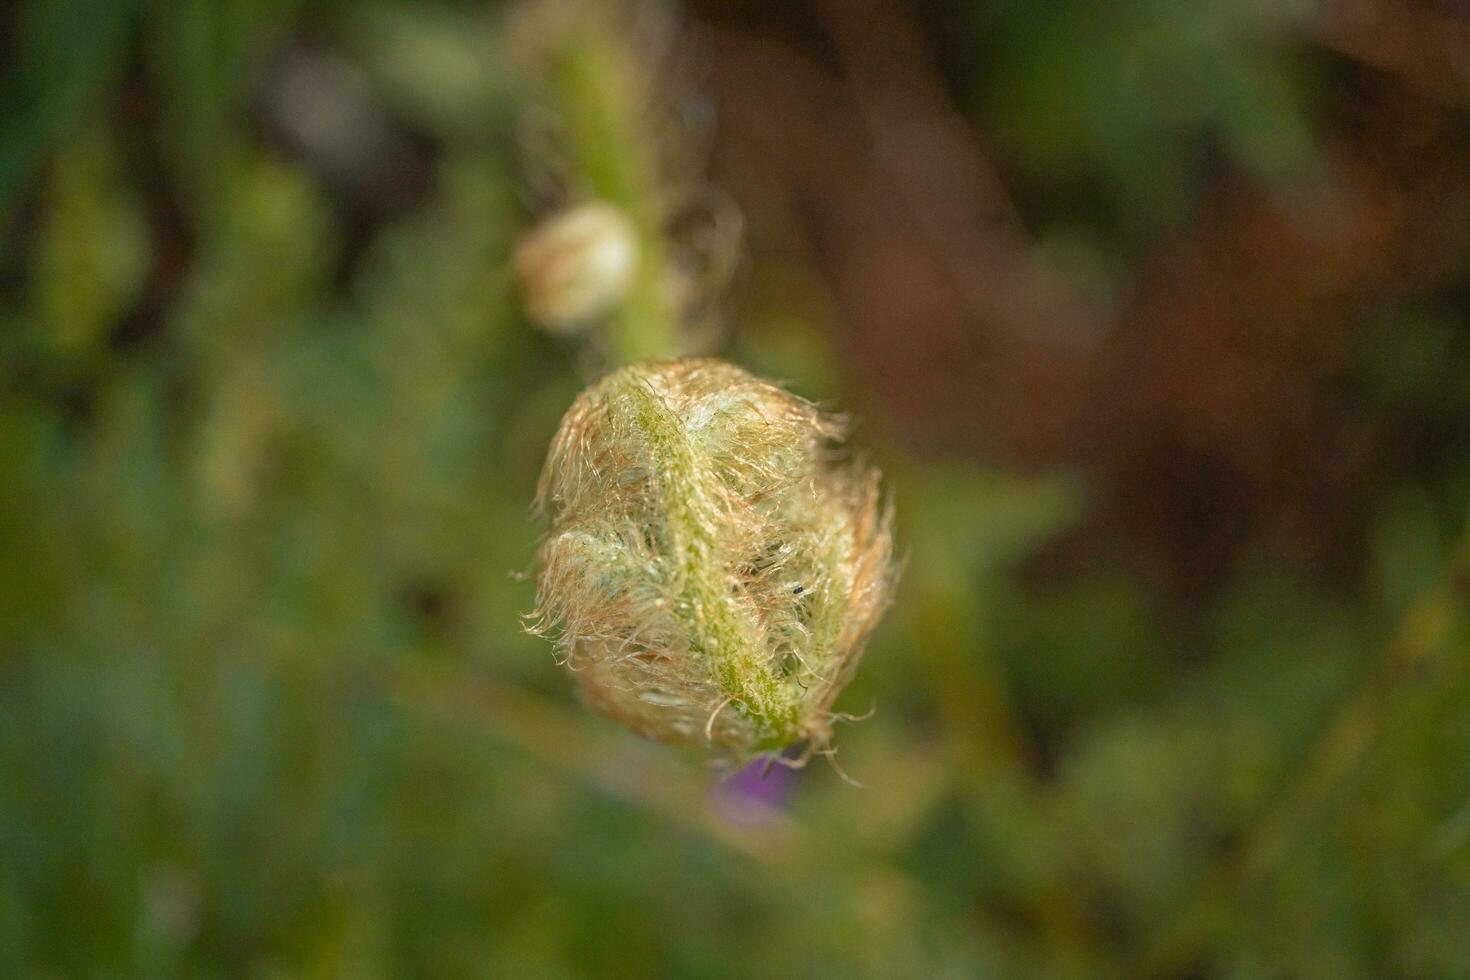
x: 577, y: 266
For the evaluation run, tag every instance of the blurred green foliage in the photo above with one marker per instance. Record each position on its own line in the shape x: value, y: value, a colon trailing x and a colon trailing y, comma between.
x: 265, y: 704
x: 1127, y: 99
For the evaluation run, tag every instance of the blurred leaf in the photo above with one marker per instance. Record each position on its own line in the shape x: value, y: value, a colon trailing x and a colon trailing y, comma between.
x: 1410, y: 549
x: 69, y: 51
x: 1126, y: 94
x: 92, y: 256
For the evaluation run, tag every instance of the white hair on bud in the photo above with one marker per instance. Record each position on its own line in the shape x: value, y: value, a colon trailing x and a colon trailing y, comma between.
x: 711, y: 574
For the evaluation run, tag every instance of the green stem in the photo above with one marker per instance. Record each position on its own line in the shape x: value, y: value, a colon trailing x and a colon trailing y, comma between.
x: 595, y: 82
x: 712, y: 615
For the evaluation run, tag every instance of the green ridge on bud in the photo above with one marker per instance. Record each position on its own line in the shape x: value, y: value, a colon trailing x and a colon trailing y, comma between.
x: 712, y: 572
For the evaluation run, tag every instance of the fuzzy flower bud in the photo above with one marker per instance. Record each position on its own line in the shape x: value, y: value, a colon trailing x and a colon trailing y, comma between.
x: 577, y: 266
x: 712, y: 573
